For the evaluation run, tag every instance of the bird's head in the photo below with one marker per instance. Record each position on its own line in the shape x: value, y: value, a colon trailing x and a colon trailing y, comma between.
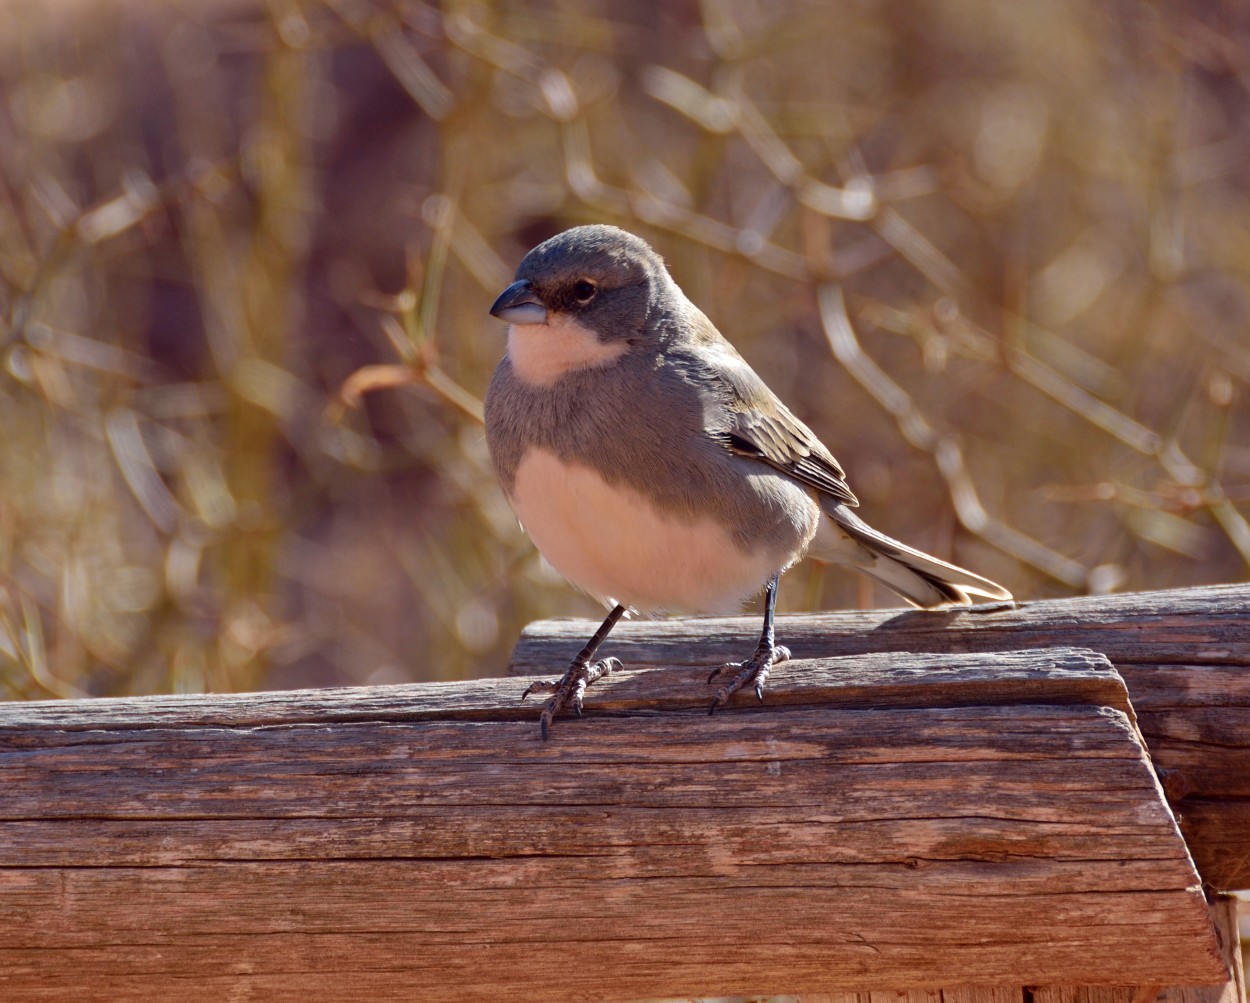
x: 601, y: 278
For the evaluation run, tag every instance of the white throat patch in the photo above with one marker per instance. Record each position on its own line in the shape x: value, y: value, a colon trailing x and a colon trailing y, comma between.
x: 541, y: 353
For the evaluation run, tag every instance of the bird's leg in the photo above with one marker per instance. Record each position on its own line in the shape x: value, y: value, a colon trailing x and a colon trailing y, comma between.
x: 756, y: 668
x: 571, y: 687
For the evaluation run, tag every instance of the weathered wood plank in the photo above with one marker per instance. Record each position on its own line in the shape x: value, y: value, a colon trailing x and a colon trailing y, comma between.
x: 1199, y: 626
x: 957, y: 994
x: 983, y: 994
x: 1215, y: 830
x: 1184, y: 654
x: 869, y: 827
x: 1224, y: 914
x: 1061, y: 675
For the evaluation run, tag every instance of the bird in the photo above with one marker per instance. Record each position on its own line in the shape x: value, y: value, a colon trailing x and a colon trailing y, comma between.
x: 655, y: 470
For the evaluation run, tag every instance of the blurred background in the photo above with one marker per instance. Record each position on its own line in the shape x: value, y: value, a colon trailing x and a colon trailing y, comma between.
x: 997, y: 255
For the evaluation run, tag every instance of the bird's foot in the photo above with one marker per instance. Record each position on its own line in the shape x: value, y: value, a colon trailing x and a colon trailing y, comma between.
x: 754, y: 670
x: 569, y: 689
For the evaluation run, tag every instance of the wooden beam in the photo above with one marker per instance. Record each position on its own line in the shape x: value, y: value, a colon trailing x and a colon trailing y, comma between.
x: 900, y: 820
x: 1184, y: 654
x: 1224, y: 915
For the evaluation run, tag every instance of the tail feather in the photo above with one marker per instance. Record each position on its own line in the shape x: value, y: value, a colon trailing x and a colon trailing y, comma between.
x: 920, y: 578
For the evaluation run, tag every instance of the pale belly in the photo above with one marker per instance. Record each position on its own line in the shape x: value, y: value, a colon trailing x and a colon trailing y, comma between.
x: 610, y: 541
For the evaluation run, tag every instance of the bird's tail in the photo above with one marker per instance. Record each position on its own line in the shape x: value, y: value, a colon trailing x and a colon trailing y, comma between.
x: 921, y: 579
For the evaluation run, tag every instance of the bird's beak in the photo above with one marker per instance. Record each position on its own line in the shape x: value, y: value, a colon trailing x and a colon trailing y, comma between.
x: 519, y: 304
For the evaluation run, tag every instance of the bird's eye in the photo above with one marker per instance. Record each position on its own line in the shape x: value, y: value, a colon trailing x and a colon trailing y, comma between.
x: 584, y: 291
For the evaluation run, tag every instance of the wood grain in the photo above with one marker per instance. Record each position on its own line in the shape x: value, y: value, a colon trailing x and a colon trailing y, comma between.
x: 1232, y: 991
x: 1184, y: 655
x: 1224, y: 912
x: 893, y: 820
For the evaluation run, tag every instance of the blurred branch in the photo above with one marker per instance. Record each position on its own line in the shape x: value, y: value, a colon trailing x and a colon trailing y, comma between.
x: 27, y: 645
x: 943, y: 447
x: 135, y: 463
x: 1081, y: 402
x: 423, y: 369
x: 217, y: 230
x: 369, y: 379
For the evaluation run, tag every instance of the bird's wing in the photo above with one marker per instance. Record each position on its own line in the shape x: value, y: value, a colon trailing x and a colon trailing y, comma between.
x: 779, y: 439
x: 761, y: 427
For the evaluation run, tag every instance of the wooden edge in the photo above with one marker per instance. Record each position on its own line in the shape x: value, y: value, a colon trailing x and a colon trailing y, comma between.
x: 1036, y: 676
x: 1205, y: 624
x: 1223, y: 914
x: 1215, y: 829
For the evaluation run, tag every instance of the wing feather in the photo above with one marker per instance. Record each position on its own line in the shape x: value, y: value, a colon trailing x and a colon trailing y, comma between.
x: 755, y: 423
x: 786, y: 444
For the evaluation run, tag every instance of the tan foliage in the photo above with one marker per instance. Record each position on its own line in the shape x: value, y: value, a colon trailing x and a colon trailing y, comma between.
x: 994, y: 253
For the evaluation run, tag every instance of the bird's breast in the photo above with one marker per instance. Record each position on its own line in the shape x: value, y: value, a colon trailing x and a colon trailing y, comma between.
x: 611, y: 541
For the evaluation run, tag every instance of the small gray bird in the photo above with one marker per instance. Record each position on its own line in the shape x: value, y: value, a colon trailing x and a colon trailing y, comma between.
x: 653, y: 468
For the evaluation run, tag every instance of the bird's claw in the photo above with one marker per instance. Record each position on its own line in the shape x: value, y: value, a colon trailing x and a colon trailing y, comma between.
x: 754, y: 670
x: 569, y: 689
